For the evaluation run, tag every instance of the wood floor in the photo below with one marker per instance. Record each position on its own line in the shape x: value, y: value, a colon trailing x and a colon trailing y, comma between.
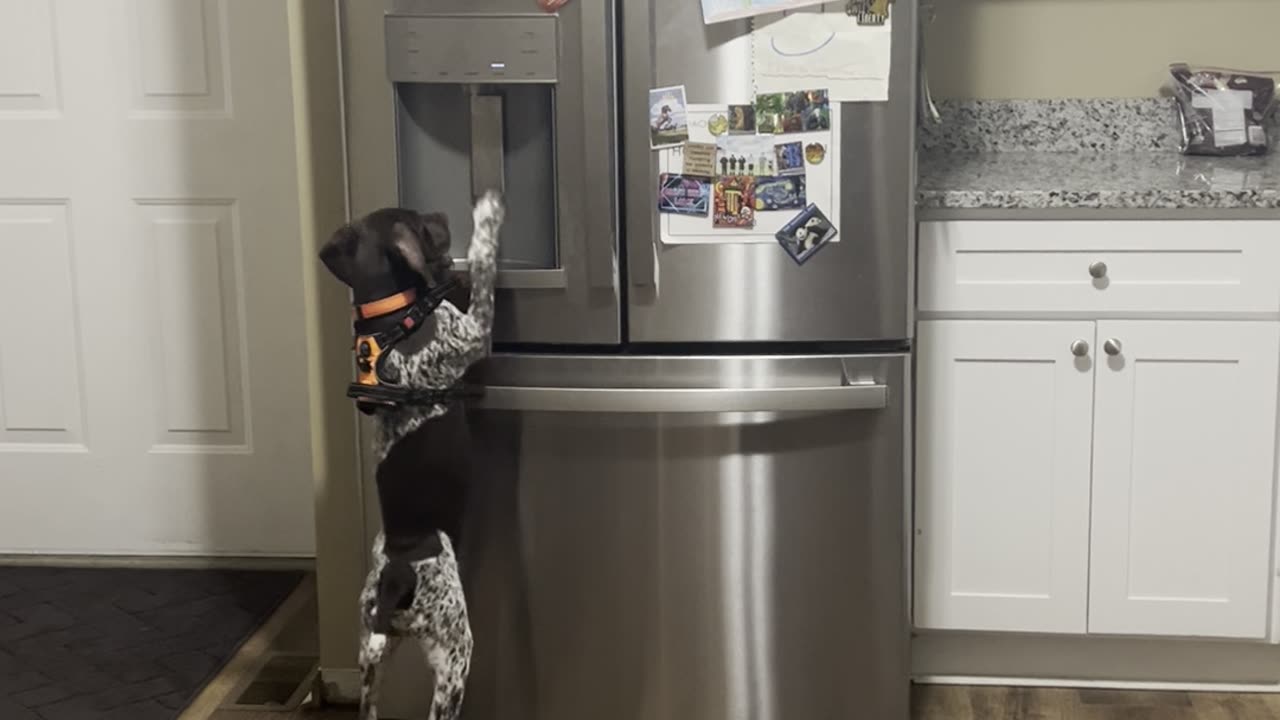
x: 293, y: 630
x: 967, y: 703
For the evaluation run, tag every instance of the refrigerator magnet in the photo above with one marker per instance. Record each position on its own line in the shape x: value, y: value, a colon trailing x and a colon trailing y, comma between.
x: 742, y: 120
x: 806, y: 234
x: 668, y: 117
x: 815, y: 153
x: 699, y: 159
x: 735, y: 203
x: 552, y: 5
x: 780, y: 193
x: 718, y: 124
x: 790, y: 158
x: 683, y: 195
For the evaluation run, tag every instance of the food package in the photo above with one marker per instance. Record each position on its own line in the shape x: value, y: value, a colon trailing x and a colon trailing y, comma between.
x: 1223, y: 112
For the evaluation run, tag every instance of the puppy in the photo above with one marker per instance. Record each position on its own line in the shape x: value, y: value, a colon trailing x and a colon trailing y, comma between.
x: 413, y: 348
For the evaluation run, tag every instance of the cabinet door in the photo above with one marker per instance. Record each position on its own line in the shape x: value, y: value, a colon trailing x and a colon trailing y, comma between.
x: 1184, y: 446
x: 1002, y: 475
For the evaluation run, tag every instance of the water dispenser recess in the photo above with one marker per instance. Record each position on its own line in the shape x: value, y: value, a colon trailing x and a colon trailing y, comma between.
x: 473, y: 115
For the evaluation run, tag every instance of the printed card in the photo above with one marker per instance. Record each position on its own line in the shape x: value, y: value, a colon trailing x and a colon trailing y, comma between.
x: 734, y: 202
x: 742, y: 120
x: 780, y: 193
x: 699, y: 159
x: 806, y: 234
x: 684, y: 195
x: 668, y: 117
x: 793, y: 112
x: 790, y: 158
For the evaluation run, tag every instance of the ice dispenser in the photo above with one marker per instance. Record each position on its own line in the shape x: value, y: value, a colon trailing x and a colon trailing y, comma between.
x: 501, y: 95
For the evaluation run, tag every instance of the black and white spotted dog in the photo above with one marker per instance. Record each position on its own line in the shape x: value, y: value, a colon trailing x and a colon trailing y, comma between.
x: 414, y: 589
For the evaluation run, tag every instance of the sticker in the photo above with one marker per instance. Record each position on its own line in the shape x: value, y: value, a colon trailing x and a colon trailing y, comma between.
x: 699, y: 159
x: 742, y: 120
x: 780, y: 193
x: 806, y: 234
x: 769, y: 112
x: 717, y: 125
x: 684, y: 195
x: 552, y: 5
x: 806, y: 111
x: 790, y: 158
x: 815, y: 153
x: 735, y: 202
x: 668, y: 117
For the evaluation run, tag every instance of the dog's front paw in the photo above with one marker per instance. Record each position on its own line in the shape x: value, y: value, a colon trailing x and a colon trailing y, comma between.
x: 489, y: 208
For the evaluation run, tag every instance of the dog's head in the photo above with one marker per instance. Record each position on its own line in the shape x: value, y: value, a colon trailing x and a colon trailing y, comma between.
x: 388, y: 251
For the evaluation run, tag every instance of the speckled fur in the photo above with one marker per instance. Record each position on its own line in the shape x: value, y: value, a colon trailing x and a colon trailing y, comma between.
x: 436, y: 619
x: 437, y: 615
x: 461, y: 339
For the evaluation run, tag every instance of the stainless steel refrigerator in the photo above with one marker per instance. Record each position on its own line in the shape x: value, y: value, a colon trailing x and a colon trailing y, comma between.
x: 693, y: 493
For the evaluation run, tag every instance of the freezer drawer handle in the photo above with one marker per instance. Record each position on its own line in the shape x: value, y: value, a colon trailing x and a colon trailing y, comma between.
x: 685, y: 400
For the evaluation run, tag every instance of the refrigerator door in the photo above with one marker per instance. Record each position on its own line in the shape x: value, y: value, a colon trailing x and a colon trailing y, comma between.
x: 714, y: 538
x: 856, y: 289
x: 485, y: 94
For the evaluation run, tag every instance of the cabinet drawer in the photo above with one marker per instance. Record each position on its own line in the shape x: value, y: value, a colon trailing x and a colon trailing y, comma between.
x: 1174, y: 266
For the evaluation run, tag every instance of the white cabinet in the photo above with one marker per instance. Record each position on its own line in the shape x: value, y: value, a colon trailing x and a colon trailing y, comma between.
x: 1183, y: 455
x: 1002, y: 493
x: 1095, y: 430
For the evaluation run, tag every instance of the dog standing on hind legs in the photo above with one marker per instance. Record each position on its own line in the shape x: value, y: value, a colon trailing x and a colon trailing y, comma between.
x: 413, y: 348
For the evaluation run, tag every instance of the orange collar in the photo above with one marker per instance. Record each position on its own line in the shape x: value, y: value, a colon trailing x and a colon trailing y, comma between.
x: 386, y: 305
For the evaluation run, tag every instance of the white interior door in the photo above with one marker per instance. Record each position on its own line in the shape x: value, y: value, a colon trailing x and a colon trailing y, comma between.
x: 1184, y: 446
x: 1002, y: 475
x: 152, y: 385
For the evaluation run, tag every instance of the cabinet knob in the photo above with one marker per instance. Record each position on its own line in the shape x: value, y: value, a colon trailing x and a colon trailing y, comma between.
x: 1112, y: 346
x: 1098, y: 270
x: 1079, y: 348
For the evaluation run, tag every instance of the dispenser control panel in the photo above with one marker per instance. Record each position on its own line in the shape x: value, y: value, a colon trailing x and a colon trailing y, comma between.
x: 472, y: 48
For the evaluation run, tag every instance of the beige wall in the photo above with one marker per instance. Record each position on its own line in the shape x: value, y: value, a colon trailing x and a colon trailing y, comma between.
x: 340, y: 545
x: 1091, y: 48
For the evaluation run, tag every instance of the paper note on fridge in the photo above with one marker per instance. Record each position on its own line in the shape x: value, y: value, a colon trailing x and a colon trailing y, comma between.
x: 822, y: 50
x: 714, y: 11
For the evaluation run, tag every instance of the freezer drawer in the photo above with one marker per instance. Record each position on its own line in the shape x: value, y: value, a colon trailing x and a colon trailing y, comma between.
x: 712, y: 538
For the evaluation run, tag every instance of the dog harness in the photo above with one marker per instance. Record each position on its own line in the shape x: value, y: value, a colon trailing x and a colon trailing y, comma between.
x: 372, y: 389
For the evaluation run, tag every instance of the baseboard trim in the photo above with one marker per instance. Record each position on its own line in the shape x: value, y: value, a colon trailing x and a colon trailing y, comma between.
x: 1121, y: 663
x: 972, y: 681
x: 339, y: 686
x: 160, y: 562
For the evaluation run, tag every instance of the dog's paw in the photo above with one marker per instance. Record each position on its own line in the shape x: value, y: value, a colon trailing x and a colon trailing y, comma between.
x: 489, y: 208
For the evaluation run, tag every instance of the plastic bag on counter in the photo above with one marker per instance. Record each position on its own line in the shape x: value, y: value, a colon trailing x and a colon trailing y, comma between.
x: 1223, y: 112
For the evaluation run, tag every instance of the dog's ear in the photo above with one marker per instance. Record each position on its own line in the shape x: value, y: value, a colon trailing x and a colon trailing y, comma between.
x: 409, y: 248
x: 338, y: 253
x: 435, y: 230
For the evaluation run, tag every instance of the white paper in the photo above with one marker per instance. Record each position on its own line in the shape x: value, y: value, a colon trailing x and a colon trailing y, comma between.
x: 714, y: 11
x: 822, y: 184
x: 1229, y: 108
x: 823, y: 50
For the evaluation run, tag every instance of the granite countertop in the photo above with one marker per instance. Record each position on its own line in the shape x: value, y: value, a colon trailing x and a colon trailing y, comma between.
x: 1085, y: 154
x: 1133, y: 180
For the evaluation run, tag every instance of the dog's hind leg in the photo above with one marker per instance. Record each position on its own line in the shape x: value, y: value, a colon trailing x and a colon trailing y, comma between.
x: 375, y: 648
x: 450, y: 665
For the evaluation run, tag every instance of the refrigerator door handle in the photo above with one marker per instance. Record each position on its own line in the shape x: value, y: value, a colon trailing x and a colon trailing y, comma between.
x: 685, y: 400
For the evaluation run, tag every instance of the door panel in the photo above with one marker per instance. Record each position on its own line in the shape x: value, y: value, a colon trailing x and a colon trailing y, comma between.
x: 1002, y: 475
x: 647, y: 565
x: 150, y: 336
x: 1184, y: 445
x: 755, y: 292
x: 433, y: 145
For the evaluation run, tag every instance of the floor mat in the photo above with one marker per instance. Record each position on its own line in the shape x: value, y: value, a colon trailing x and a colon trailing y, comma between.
x: 100, y: 644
